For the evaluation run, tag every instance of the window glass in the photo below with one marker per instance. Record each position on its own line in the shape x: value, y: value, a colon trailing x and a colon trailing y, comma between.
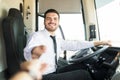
x: 72, y: 25
x: 108, y: 19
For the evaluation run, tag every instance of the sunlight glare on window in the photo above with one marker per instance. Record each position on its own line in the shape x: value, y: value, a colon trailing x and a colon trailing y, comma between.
x: 109, y: 21
x: 72, y: 25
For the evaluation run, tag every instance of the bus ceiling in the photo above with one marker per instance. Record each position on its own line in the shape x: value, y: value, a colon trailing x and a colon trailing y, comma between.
x: 62, y: 8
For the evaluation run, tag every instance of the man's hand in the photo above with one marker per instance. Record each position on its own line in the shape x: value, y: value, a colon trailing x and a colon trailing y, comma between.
x: 38, y: 51
x: 34, y: 67
x: 22, y: 75
x: 97, y: 43
x: 30, y: 70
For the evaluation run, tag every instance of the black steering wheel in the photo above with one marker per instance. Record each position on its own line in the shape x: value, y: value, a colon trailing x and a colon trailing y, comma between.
x: 80, y: 58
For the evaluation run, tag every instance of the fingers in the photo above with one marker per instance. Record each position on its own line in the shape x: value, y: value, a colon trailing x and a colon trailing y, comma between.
x: 21, y: 76
x: 43, y: 67
x: 107, y: 43
x: 28, y: 65
x: 98, y: 43
x: 37, y: 68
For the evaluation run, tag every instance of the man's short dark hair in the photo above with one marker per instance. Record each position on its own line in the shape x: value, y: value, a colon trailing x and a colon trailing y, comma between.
x: 51, y: 11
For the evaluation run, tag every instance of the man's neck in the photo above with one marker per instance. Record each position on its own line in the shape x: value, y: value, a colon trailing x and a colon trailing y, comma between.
x: 52, y: 33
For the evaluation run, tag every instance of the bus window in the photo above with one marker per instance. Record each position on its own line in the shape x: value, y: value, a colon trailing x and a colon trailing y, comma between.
x: 108, y: 13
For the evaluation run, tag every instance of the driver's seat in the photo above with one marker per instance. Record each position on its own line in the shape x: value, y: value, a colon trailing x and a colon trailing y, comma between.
x: 15, y: 39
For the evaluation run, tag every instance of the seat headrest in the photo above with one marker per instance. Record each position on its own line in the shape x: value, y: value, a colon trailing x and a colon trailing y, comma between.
x: 14, y: 13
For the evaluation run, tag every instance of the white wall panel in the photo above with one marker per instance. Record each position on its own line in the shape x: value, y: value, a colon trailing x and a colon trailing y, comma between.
x: 29, y: 15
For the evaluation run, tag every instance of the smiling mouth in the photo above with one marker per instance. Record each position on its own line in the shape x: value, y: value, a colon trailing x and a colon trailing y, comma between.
x: 52, y: 24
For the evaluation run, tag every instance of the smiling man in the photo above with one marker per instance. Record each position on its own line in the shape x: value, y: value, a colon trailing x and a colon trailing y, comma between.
x: 53, y: 47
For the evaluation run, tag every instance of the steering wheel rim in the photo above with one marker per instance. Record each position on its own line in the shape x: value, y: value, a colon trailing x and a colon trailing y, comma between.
x: 80, y: 59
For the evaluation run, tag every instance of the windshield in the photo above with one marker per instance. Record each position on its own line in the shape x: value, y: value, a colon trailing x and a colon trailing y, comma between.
x: 108, y: 13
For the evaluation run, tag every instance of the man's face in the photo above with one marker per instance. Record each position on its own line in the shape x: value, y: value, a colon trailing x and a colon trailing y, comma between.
x: 51, y: 22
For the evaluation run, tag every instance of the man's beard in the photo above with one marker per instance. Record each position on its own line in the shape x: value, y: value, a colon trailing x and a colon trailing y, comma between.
x: 51, y: 29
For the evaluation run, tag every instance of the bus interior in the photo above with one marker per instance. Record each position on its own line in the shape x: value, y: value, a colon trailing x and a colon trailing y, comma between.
x: 90, y: 20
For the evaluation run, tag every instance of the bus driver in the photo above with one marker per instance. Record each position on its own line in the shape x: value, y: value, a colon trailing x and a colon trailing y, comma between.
x: 46, y: 46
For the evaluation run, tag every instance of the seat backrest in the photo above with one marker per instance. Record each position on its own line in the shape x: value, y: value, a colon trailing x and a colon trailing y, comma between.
x: 15, y: 39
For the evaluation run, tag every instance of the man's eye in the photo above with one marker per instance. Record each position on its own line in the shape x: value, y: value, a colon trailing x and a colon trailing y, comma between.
x: 48, y: 19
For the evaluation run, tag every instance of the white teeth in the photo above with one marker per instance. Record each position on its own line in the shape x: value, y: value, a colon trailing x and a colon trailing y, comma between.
x: 51, y: 24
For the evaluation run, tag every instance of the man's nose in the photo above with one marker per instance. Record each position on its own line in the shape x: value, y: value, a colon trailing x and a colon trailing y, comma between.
x: 52, y: 20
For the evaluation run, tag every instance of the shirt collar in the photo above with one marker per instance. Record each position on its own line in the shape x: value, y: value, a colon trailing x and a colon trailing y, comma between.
x: 48, y: 32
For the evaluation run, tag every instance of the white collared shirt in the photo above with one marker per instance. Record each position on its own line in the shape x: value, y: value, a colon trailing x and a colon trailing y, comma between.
x: 43, y: 38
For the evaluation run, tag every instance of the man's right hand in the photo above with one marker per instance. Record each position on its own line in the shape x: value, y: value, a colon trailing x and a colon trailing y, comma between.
x: 38, y: 51
x: 34, y: 67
